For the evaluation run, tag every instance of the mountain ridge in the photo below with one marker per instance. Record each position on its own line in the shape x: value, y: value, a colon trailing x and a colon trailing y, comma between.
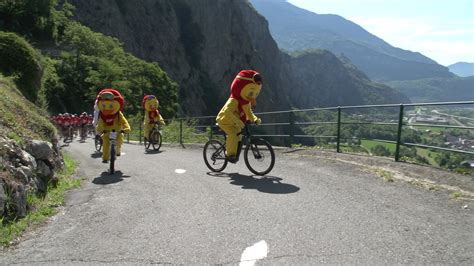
x: 295, y: 28
x: 462, y: 69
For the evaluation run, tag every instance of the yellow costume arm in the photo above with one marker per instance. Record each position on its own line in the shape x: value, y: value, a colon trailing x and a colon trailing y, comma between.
x: 124, y: 123
x: 250, y: 115
x: 160, y: 118
x: 100, y: 125
x: 229, y: 113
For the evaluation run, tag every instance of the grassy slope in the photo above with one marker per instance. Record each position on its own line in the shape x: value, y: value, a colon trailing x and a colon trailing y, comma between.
x: 19, y: 118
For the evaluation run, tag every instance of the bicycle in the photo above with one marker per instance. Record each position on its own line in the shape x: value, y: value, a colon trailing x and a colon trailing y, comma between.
x: 154, y: 138
x: 260, y: 161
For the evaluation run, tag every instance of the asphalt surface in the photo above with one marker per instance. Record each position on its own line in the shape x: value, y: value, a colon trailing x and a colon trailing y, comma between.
x: 307, y: 211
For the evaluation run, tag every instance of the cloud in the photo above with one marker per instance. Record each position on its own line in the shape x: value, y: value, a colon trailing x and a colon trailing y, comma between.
x: 447, y: 52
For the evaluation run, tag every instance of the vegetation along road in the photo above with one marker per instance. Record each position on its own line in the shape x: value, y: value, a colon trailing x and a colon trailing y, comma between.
x: 167, y: 208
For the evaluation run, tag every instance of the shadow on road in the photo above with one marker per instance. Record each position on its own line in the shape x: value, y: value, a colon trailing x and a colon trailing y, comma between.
x: 266, y: 184
x: 105, y: 178
x: 96, y: 155
x: 153, y: 151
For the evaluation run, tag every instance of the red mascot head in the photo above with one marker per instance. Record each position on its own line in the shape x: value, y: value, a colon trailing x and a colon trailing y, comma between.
x: 246, y: 87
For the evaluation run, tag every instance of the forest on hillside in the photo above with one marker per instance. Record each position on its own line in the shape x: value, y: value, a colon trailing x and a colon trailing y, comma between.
x: 61, y: 64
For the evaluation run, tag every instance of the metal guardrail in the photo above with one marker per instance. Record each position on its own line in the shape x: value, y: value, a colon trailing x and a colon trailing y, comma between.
x: 339, y: 122
x: 291, y: 123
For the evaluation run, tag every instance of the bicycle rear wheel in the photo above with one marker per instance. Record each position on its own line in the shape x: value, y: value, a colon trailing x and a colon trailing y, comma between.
x: 259, y: 156
x: 214, y: 155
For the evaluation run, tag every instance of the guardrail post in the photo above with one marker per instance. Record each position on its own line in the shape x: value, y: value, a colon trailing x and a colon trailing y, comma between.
x: 292, y: 124
x: 140, y: 133
x: 181, y: 131
x: 399, y: 134
x: 338, y: 147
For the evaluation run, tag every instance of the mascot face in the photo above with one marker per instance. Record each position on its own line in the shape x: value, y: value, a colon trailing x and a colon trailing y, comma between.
x: 107, y: 104
x: 151, y: 103
x: 250, y: 92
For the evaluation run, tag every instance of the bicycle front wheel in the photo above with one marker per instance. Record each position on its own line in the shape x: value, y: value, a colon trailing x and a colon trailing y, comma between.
x: 259, y: 156
x: 112, y: 158
x: 214, y: 155
x: 155, y: 140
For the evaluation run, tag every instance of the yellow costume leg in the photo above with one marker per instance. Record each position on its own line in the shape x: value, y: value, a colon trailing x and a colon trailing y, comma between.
x: 146, y: 130
x: 232, y: 138
x: 105, y: 147
x: 119, y: 143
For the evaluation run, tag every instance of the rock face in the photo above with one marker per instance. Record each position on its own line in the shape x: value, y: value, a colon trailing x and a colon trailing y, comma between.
x: 25, y: 171
x: 203, y: 45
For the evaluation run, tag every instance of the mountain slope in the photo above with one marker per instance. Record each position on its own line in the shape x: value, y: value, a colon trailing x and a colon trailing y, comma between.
x: 295, y: 29
x: 202, y: 45
x: 462, y: 69
x: 437, y: 89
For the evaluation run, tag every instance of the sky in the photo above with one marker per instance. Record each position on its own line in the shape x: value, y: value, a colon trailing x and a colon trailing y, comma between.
x: 442, y: 30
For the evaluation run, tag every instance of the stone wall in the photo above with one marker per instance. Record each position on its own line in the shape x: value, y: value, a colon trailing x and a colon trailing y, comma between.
x: 23, y: 170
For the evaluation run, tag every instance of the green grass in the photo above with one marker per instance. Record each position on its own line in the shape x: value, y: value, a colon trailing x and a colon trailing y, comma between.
x: 386, y: 175
x: 369, y: 144
x: 19, y: 118
x: 42, y: 207
x: 428, y: 155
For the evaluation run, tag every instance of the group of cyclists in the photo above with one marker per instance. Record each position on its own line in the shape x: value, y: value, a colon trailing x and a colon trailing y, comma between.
x: 109, y: 124
x: 70, y: 125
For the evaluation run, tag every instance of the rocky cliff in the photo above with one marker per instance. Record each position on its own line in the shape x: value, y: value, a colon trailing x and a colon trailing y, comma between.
x: 203, y: 44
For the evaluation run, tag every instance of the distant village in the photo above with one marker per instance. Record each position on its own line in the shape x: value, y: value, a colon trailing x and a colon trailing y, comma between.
x: 451, y: 141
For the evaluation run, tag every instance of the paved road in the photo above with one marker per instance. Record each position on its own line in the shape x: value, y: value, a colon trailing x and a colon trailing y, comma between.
x: 308, y: 211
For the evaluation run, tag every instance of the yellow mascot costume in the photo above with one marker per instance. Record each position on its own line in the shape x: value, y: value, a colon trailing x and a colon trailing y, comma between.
x: 238, y: 109
x: 110, y: 103
x: 152, y: 115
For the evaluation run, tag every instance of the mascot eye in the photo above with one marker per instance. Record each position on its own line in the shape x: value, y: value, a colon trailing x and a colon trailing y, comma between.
x: 250, y: 94
x: 103, y: 105
x: 111, y: 106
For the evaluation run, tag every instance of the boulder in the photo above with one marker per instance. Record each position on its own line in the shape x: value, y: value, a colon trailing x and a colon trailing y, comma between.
x: 43, y: 170
x: 19, y: 201
x: 38, y: 184
x: 27, y: 159
x: 41, y: 150
x: 19, y: 174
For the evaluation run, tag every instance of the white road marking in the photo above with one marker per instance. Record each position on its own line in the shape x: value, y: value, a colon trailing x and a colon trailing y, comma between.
x: 180, y: 171
x: 253, y: 253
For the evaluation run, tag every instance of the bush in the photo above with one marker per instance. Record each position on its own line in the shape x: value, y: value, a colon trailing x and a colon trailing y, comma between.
x: 380, y: 150
x: 20, y: 60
